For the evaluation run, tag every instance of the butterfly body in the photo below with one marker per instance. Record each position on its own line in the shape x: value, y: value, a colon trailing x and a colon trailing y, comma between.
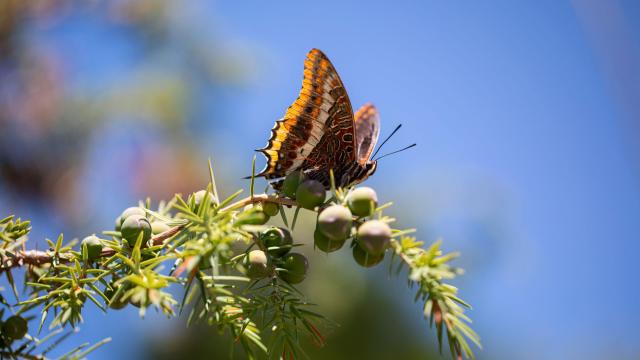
x: 320, y: 133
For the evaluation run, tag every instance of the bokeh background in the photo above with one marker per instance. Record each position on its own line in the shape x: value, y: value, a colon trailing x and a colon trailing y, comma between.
x: 526, y: 115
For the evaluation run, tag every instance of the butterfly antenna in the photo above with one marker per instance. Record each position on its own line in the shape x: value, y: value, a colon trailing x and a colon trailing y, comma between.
x: 387, y: 139
x: 395, y: 152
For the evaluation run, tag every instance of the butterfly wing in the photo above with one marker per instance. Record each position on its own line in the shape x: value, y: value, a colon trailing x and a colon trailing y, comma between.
x: 320, y: 120
x: 367, y: 123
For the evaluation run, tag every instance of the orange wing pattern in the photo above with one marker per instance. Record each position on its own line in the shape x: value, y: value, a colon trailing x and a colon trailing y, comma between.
x: 317, y: 131
x: 367, y: 131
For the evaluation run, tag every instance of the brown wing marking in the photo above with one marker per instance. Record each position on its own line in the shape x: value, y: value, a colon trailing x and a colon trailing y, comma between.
x: 321, y: 105
x: 336, y: 149
x: 295, y: 137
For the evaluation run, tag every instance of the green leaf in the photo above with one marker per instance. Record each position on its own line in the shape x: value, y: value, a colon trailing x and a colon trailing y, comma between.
x: 253, y: 176
x: 295, y: 217
x: 213, y: 184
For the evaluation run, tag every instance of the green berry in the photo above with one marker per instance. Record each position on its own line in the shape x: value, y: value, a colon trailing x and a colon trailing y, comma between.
x: 252, y: 215
x: 118, y: 223
x: 325, y: 244
x: 198, y: 198
x: 133, y: 226
x: 291, y: 182
x: 270, y: 208
x: 362, y: 201
x: 295, y: 268
x: 94, y: 247
x: 365, y: 259
x: 279, y: 237
x: 15, y: 327
x: 158, y: 227
x: 257, y: 264
x: 374, y: 236
x: 335, y: 222
x: 134, y: 210
x: 310, y: 194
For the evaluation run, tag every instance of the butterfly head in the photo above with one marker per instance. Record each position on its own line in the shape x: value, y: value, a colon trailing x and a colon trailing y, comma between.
x: 370, y: 167
x: 363, y: 172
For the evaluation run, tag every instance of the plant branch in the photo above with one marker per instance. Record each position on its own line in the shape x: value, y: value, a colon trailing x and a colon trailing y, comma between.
x: 38, y: 257
x: 259, y: 199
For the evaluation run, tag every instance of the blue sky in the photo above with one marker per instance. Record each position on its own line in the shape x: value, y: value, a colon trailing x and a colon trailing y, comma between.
x: 525, y: 157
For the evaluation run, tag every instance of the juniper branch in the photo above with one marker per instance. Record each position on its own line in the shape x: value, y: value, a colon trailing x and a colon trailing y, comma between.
x: 201, y: 242
x: 42, y: 257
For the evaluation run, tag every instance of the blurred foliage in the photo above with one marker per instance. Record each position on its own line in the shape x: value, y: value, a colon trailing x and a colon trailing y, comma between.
x: 54, y: 101
x: 370, y: 331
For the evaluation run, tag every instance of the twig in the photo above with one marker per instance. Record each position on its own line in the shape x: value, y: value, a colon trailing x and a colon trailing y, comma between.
x: 262, y: 198
x: 37, y: 257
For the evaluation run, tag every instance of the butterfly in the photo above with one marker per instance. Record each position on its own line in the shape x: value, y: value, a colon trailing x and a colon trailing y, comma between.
x: 319, y: 131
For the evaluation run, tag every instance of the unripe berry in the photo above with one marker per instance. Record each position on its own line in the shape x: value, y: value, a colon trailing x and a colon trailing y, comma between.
x: 325, y: 244
x: 158, y: 227
x: 15, y: 327
x: 310, y: 194
x: 252, y: 215
x: 198, y: 198
x: 133, y: 226
x: 295, y: 268
x: 270, y: 208
x: 362, y: 201
x: 291, y: 182
x: 118, y: 223
x: 335, y: 222
x: 257, y: 264
x: 93, y: 245
x: 134, y: 210
x: 365, y: 259
x: 276, y: 236
x: 374, y: 236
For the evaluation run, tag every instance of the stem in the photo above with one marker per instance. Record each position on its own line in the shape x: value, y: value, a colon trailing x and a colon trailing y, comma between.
x: 37, y: 257
x: 258, y: 199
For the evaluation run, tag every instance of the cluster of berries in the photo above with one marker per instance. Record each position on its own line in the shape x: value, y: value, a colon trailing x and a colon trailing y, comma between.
x: 131, y: 224
x: 339, y: 222
x: 289, y: 266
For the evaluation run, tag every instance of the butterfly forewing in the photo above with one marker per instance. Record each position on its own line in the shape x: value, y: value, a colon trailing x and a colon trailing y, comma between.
x: 320, y: 120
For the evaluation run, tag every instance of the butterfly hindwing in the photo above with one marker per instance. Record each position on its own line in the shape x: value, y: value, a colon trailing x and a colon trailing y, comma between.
x: 367, y: 123
x: 320, y: 119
